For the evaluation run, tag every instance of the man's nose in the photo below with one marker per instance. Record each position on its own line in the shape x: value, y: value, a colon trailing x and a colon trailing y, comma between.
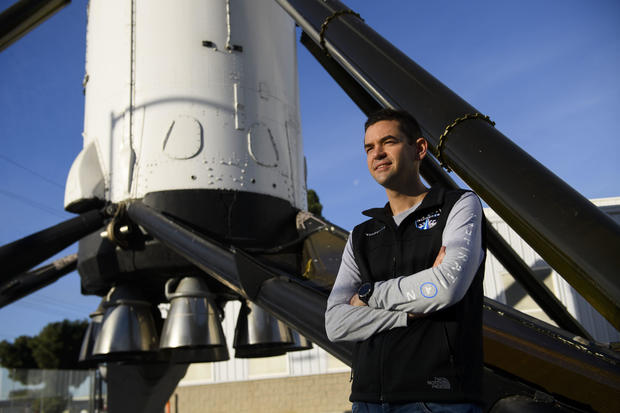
x: 379, y: 152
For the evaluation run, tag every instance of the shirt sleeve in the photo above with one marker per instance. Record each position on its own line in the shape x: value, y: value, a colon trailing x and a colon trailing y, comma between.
x: 438, y: 287
x: 344, y: 322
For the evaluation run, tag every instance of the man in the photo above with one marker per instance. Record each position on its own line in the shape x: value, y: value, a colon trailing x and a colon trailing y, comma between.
x: 409, y: 288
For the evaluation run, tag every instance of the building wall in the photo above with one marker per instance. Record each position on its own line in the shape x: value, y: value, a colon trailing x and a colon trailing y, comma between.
x: 324, y: 393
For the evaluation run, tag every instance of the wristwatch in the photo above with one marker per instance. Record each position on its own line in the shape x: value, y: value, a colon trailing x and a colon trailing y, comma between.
x: 365, y: 291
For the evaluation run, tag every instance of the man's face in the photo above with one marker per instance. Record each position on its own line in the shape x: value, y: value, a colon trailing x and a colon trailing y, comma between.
x: 392, y: 160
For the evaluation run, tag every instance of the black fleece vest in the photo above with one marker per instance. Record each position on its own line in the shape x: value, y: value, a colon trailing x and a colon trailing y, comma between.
x: 438, y: 357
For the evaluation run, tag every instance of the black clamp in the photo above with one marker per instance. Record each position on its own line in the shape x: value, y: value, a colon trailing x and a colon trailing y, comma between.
x: 121, y: 230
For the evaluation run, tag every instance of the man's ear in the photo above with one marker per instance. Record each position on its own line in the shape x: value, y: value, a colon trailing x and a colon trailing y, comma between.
x: 421, y: 146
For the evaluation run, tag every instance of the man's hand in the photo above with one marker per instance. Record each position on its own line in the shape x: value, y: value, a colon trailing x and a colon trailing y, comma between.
x: 440, y: 255
x: 355, y: 301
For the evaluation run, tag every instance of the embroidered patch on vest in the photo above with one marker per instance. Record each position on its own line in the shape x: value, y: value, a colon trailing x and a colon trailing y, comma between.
x: 428, y: 221
x: 439, y: 383
x: 370, y: 234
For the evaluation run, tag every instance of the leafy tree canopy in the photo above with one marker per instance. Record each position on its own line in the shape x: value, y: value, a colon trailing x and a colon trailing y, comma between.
x: 314, y: 204
x: 17, y: 355
x: 57, y: 346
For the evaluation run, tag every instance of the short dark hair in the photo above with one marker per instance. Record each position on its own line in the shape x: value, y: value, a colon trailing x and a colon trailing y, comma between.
x: 407, y: 124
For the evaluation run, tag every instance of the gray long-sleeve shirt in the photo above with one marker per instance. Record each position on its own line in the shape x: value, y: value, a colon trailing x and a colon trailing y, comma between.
x: 423, y: 292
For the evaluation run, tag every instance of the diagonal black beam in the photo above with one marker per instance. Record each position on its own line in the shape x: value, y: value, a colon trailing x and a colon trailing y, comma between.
x: 24, y: 284
x: 24, y: 16
x: 356, y: 93
x: 567, y: 230
x: 23, y: 254
x: 434, y: 174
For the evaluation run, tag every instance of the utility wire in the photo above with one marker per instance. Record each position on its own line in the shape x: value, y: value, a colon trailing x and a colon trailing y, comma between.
x: 46, y: 179
x: 32, y: 203
x: 50, y: 302
x: 61, y: 304
x: 48, y: 309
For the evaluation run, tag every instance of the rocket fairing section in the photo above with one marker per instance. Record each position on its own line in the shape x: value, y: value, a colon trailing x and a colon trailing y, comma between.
x: 189, y: 104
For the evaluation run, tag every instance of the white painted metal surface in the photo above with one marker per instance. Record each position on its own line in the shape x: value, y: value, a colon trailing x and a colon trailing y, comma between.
x: 191, y: 95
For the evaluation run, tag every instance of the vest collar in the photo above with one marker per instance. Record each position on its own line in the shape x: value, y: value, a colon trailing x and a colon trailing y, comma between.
x: 434, y: 198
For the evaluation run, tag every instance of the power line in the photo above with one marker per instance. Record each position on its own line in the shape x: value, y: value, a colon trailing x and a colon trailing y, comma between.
x: 35, y: 173
x: 48, y: 309
x: 28, y: 306
x: 48, y: 302
x: 60, y: 304
x: 31, y: 203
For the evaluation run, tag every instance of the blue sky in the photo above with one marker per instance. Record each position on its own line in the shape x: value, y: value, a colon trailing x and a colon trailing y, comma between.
x: 546, y: 72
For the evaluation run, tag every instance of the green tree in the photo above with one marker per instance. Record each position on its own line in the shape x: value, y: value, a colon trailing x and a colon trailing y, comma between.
x: 17, y: 356
x: 314, y: 204
x: 57, y: 346
x: 56, y: 404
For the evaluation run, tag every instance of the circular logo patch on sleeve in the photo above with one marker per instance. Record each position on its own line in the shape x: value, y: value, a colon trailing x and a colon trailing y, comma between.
x: 428, y: 290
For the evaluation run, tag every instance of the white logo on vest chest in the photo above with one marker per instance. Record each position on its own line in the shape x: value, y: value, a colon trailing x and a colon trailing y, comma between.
x: 428, y: 221
x: 370, y: 234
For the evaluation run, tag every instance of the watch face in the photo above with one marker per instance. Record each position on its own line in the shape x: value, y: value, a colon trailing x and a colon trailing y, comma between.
x: 364, y: 290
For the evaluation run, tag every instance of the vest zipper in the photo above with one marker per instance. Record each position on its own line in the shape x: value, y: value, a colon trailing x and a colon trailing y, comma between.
x: 451, y: 351
x: 393, y: 267
x: 381, y: 369
x: 381, y: 378
x: 398, y: 253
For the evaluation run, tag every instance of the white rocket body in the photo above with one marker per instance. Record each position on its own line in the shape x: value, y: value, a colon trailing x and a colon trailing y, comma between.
x: 186, y: 96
